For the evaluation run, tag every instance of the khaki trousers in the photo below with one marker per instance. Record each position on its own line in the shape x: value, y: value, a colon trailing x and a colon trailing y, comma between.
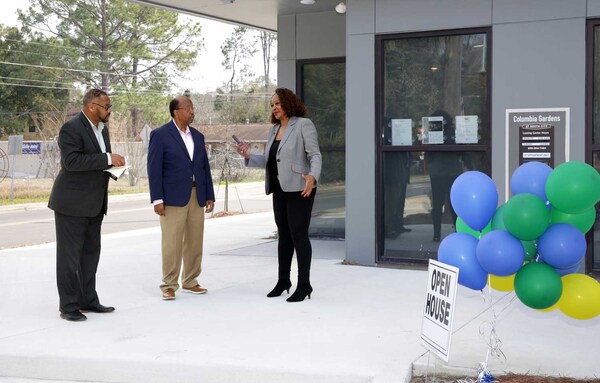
x: 182, y: 230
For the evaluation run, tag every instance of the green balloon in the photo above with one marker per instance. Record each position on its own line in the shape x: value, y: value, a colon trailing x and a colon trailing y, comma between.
x: 462, y: 227
x: 573, y: 187
x: 498, y: 219
x: 526, y: 216
x: 538, y: 285
x: 583, y: 221
x: 530, y: 250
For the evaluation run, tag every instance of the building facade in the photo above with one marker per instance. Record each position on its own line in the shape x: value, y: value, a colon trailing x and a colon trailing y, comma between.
x: 399, y: 88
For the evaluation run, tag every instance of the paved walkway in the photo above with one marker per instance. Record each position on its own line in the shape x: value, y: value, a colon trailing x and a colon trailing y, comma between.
x: 361, y: 325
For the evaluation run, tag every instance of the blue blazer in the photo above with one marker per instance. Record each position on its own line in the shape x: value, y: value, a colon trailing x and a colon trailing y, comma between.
x: 171, y: 171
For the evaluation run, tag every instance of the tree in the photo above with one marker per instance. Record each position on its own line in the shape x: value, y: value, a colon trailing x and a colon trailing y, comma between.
x: 236, y: 49
x: 118, y: 46
x: 245, y: 104
x: 26, y: 89
x: 267, y: 41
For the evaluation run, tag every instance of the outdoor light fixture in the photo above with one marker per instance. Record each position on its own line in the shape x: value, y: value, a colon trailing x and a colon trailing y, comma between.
x: 341, y: 8
x: 307, y: 2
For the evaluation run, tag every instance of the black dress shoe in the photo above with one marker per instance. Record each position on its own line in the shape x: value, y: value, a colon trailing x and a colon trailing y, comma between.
x: 74, y: 316
x: 403, y: 229
x: 98, y: 309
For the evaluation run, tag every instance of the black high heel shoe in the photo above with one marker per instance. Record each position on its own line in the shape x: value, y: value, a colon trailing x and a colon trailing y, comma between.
x: 302, y: 291
x: 280, y: 287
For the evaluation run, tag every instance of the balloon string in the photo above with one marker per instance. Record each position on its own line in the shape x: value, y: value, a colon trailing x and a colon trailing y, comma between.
x: 488, y: 330
x: 483, y: 376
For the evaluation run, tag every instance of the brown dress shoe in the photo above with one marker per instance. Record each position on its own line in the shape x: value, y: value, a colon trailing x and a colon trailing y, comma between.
x: 195, y: 290
x: 168, y: 295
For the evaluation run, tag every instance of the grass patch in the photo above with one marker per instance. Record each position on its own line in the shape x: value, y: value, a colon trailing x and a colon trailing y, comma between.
x: 28, y: 190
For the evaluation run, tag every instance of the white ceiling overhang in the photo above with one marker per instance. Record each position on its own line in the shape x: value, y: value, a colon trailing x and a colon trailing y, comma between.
x: 261, y: 14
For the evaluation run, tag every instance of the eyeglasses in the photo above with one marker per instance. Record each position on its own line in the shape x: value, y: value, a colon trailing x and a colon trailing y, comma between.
x: 106, y: 107
x: 191, y: 109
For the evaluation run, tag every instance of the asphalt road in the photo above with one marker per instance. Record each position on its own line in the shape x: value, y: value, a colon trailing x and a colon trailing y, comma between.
x: 32, y: 224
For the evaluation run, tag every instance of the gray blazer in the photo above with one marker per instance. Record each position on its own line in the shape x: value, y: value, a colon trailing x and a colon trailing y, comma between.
x: 298, y: 154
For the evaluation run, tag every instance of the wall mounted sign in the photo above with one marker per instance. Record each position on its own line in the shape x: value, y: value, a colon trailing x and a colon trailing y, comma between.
x: 535, y: 135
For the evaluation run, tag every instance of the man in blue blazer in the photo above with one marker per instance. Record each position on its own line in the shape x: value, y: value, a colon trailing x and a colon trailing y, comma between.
x: 180, y: 187
x: 79, y: 199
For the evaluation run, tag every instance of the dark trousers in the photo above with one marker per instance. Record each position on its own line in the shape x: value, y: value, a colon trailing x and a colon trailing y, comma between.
x: 77, y: 256
x: 440, y: 194
x: 292, y: 217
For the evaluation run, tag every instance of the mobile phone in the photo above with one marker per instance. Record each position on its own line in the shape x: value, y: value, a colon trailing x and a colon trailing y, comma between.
x: 237, y: 140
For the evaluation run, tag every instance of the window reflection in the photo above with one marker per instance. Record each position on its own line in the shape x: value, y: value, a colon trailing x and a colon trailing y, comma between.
x: 596, y: 85
x: 422, y: 74
x: 596, y: 227
x: 417, y: 213
x: 323, y: 91
x: 434, y: 125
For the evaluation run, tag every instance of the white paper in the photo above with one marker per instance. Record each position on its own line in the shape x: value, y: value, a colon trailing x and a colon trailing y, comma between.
x: 466, y: 130
x: 117, y: 171
x: 401, y: 131
x: 433, y: 130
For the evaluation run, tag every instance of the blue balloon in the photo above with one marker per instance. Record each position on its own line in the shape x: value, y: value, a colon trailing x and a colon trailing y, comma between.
x: 474, y: 198
x: 569, y: 270
x: 531, y: 178
x: 458, y: 249
x: 562, y: 246
x: 499, y: 253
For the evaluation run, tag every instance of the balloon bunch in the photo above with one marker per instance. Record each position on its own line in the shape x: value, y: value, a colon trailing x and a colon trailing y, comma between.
x: 535, y: 242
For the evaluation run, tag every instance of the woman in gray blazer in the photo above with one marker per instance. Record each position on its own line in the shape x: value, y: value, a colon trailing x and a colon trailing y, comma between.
x: 292, y: 161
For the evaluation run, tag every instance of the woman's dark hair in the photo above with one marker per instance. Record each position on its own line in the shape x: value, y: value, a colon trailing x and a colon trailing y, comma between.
x: 290, y: 103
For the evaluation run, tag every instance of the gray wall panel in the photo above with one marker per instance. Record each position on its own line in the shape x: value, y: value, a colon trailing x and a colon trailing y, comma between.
x: 593, y: 8
x: 360, y: 17
x: 423, y: 15
x: 509, y: 11
x: 286, y: 38
x: 360, y: 150
x: 286, y: 74
x: 320, y: 35
x: 537, y: 65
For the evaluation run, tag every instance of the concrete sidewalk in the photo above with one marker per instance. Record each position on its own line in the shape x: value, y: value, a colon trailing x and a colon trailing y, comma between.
x: 361, y: 325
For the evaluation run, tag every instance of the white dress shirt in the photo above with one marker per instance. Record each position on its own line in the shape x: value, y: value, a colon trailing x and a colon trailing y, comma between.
x: 98, y: 133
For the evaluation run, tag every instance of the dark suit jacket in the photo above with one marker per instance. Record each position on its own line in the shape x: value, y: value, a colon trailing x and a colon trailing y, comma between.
x: 81, y: 187
x: 170, y: 170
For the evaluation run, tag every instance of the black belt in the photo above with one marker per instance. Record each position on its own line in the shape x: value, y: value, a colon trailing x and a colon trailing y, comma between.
x: 193, y: 184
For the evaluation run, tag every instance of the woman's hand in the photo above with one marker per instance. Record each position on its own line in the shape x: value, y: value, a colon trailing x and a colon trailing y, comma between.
x: 310, y: 182
x: 243, y: 149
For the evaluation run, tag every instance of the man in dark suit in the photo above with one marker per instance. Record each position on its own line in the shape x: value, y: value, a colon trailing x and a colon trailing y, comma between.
x: 79, y: 199
x: 180, y: 187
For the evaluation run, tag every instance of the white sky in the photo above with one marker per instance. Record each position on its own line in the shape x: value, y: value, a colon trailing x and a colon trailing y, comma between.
x: 206, y: 76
